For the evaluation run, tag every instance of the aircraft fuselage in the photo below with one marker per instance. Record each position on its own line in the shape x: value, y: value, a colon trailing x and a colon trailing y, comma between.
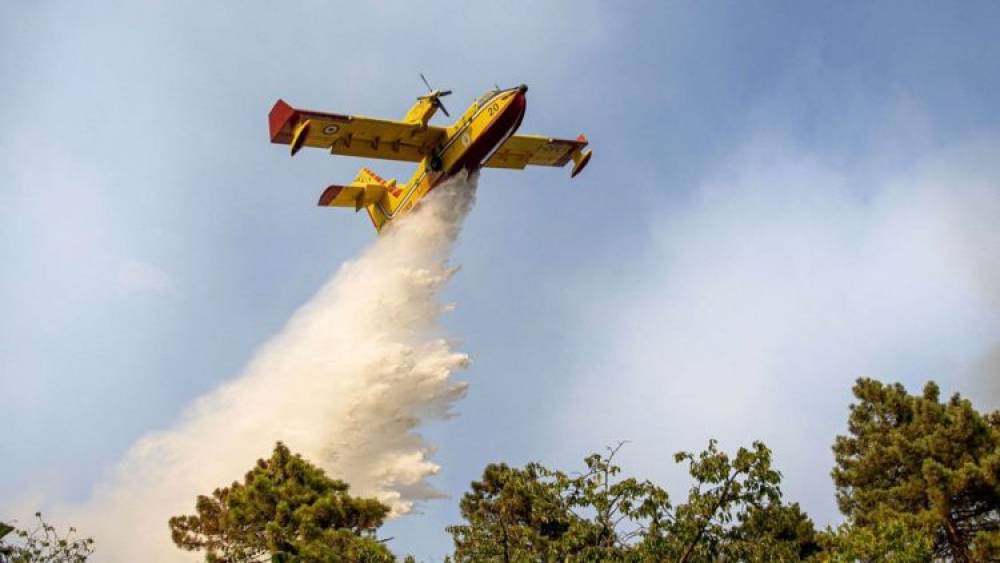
x: 468, y: 143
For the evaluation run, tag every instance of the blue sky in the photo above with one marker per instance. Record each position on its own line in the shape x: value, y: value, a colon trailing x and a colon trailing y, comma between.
x: 783, y: 197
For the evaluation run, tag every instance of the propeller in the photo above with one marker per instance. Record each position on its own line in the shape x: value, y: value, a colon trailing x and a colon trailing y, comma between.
x: 435, y: 96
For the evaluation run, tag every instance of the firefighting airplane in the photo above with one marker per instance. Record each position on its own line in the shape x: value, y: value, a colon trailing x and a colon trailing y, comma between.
x: 482, y: 136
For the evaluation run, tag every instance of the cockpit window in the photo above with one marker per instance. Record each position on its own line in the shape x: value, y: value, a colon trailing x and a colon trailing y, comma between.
x: 482, y: 99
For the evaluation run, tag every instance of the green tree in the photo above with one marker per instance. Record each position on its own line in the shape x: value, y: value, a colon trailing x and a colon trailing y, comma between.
x: 774, y: 532
x: 286, y: 509
x: 42, y: 543
x: 539, y: 513
x: 733, y: 512
x: 514, y: 515
x: 891, y: 541
x: 915, y: 469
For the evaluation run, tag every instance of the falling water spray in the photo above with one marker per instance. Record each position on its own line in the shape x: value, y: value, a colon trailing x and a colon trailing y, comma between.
x: 346, y: 383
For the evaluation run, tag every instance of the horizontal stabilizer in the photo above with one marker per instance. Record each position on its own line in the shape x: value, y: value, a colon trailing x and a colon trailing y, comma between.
x: 368, y: 190
x: 354, y: 195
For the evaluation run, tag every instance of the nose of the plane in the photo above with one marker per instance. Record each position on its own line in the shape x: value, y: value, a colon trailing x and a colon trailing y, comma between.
x: 522, y: 88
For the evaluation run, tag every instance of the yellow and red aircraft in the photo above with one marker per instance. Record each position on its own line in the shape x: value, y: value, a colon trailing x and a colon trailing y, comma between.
x: 482, y: 136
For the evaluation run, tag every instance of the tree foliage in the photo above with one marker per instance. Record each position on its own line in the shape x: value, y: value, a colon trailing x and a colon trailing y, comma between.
x: 42, y: 542
x: 733, y: 512
x: 915, y: 467
x: 890, y: 541
x: 286, y: 509
x: 539, y: 513
x: 917, y: 479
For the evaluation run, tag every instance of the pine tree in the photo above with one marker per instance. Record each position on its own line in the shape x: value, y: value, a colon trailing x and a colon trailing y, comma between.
x: 286, y: 509
x: 930, y: 467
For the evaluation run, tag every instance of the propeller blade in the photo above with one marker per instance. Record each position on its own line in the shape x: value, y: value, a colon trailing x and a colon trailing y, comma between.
x: 435, y: 95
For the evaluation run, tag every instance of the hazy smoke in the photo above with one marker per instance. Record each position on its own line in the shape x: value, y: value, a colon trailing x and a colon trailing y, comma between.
x: 345, y: 383
x: 765, y: 294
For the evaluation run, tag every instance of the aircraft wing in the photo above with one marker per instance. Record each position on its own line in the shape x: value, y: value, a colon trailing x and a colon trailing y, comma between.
x: 351, y: 135
x: 521, y: 150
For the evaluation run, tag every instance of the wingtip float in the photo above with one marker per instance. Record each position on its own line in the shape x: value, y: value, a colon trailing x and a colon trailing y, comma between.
x: 482, y: 137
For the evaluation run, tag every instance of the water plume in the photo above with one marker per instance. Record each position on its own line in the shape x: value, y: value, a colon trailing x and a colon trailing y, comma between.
x: 345, y: 383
